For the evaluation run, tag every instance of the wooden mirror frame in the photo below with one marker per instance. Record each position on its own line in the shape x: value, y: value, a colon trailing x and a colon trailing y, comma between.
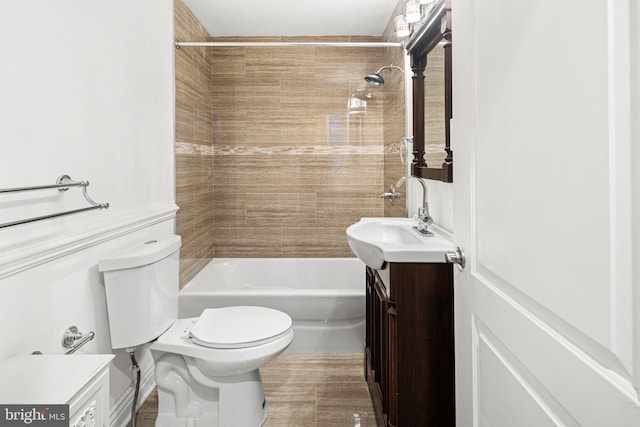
x: 434, y: 29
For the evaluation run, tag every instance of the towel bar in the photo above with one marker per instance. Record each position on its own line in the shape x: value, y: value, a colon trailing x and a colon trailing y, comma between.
x: 63, y: 183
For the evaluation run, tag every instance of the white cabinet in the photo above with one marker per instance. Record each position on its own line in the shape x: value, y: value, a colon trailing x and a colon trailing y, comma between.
x: 81, y: 381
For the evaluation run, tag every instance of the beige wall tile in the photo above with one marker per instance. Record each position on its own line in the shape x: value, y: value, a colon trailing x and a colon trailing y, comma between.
x: 248, y: 242
x: 228, y: 60
x: 194, y: 221
x: 393, y: 171
x: 340, y: 207
x: 276, y: 118
x: 394, y: 122
x: 189, y: 267
x: 315, y: 242
x: 194, y: 177
x: 283, y: 209
x: 230, y: 207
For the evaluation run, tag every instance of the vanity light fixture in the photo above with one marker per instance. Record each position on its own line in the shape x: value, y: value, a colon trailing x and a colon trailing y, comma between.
x: 412, y: 12
x: 401, y: 27
x: 427, y: 6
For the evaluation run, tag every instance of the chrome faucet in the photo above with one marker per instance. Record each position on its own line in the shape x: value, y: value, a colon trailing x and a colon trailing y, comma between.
x: 424, y: 218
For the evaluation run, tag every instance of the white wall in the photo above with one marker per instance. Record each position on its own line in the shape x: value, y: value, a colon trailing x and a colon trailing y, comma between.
x: 87, y: 90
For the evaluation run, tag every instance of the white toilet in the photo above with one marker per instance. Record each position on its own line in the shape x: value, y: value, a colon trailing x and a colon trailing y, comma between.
x: 207, y: 368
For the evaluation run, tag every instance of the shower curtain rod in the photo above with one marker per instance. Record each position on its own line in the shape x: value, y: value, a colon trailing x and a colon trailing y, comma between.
x: 287, y: 44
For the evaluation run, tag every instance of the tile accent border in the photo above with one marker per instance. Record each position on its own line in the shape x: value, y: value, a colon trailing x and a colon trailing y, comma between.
x: 190, y: 148
x: 321, y: 150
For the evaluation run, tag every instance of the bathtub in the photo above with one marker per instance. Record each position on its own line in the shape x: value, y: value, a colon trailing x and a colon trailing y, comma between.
x: 325, y: 297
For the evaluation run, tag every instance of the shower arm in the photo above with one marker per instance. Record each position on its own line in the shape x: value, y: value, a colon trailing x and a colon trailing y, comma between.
x: 388, y: 67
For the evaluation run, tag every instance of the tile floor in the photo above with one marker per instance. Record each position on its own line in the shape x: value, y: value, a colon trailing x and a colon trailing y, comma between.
x: 307, y: 390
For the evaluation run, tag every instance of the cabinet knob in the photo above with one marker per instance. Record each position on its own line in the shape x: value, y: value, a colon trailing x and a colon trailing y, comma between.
x: 456, y: 258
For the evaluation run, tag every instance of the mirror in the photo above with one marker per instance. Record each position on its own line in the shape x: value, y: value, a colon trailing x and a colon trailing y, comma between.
x: 434, y: 108
x: 430, y: 51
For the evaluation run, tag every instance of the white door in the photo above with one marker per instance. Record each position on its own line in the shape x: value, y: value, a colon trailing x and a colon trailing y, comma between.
x: 547, y: 209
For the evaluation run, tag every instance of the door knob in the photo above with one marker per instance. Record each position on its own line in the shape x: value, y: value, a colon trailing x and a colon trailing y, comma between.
x: 456, y: 258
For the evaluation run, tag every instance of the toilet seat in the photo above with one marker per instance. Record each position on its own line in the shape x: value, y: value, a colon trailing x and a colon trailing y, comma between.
x: 239, y: 327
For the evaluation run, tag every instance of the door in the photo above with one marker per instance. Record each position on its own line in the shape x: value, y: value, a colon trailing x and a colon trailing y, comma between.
x: 547, y: 209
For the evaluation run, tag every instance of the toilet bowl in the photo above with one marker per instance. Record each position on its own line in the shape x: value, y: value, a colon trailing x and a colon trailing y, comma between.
x: 225, y: 358
x: 206, y: 368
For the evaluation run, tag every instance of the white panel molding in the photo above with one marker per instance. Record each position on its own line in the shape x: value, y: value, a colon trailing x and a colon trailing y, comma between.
x: 621, y: 218
x: 65, y: 238
x: 482, y: 336
x: 601, y: 353
x: 526, y: 333
x: 634, y: 50
x: 475, y: 351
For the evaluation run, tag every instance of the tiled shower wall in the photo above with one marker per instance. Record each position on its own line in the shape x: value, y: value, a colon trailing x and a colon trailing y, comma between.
x: 269, y: 162
x: 194, y: 152
x: 292, y: 168
x: 394, y: 121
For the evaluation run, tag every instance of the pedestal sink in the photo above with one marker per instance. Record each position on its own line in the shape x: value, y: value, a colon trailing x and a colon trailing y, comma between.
x: 379, y: 240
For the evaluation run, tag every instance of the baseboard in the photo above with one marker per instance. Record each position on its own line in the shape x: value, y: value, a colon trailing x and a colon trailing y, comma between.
x: 121, y: 410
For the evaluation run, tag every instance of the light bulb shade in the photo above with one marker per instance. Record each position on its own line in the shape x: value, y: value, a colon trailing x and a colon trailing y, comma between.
x: 401, y: 26
x: 428, y: 5
x: 412, y: 11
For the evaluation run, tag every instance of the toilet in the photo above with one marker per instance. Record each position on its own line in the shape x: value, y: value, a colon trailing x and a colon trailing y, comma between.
x: 207, y: 368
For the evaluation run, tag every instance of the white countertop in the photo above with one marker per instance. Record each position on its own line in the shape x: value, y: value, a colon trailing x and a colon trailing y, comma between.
x: 47, y: 379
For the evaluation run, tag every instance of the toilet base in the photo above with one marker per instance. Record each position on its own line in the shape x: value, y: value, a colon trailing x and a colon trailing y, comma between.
x: 186, y: 397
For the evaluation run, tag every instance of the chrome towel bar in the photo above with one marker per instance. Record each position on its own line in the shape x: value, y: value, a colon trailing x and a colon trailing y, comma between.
x: 63, y: 183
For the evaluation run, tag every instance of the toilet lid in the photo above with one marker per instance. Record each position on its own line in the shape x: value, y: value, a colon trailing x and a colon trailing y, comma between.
x: 239, y: 327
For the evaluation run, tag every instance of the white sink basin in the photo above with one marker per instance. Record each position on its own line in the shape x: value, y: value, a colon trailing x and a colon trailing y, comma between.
x: 379, y: 240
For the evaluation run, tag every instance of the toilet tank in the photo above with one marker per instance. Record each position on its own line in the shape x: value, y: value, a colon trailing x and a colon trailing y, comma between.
x: 141, y: 286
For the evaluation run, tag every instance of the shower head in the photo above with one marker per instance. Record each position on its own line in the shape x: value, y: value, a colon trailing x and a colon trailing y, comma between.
x: 376, y: 78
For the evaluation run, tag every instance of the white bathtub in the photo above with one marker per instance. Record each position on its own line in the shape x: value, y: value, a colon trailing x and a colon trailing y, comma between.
x: 325, y: 297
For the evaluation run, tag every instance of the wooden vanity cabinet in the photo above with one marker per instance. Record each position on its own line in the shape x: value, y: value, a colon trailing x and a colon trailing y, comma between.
x: 409, y: 352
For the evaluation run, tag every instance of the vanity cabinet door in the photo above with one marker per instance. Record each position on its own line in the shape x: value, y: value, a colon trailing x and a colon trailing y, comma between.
x: 421, y: 300
x: 382, y: 351
x: 409, y: 355
x: 370, y: 326
x: 393, y: 363
x: 377, y: 342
